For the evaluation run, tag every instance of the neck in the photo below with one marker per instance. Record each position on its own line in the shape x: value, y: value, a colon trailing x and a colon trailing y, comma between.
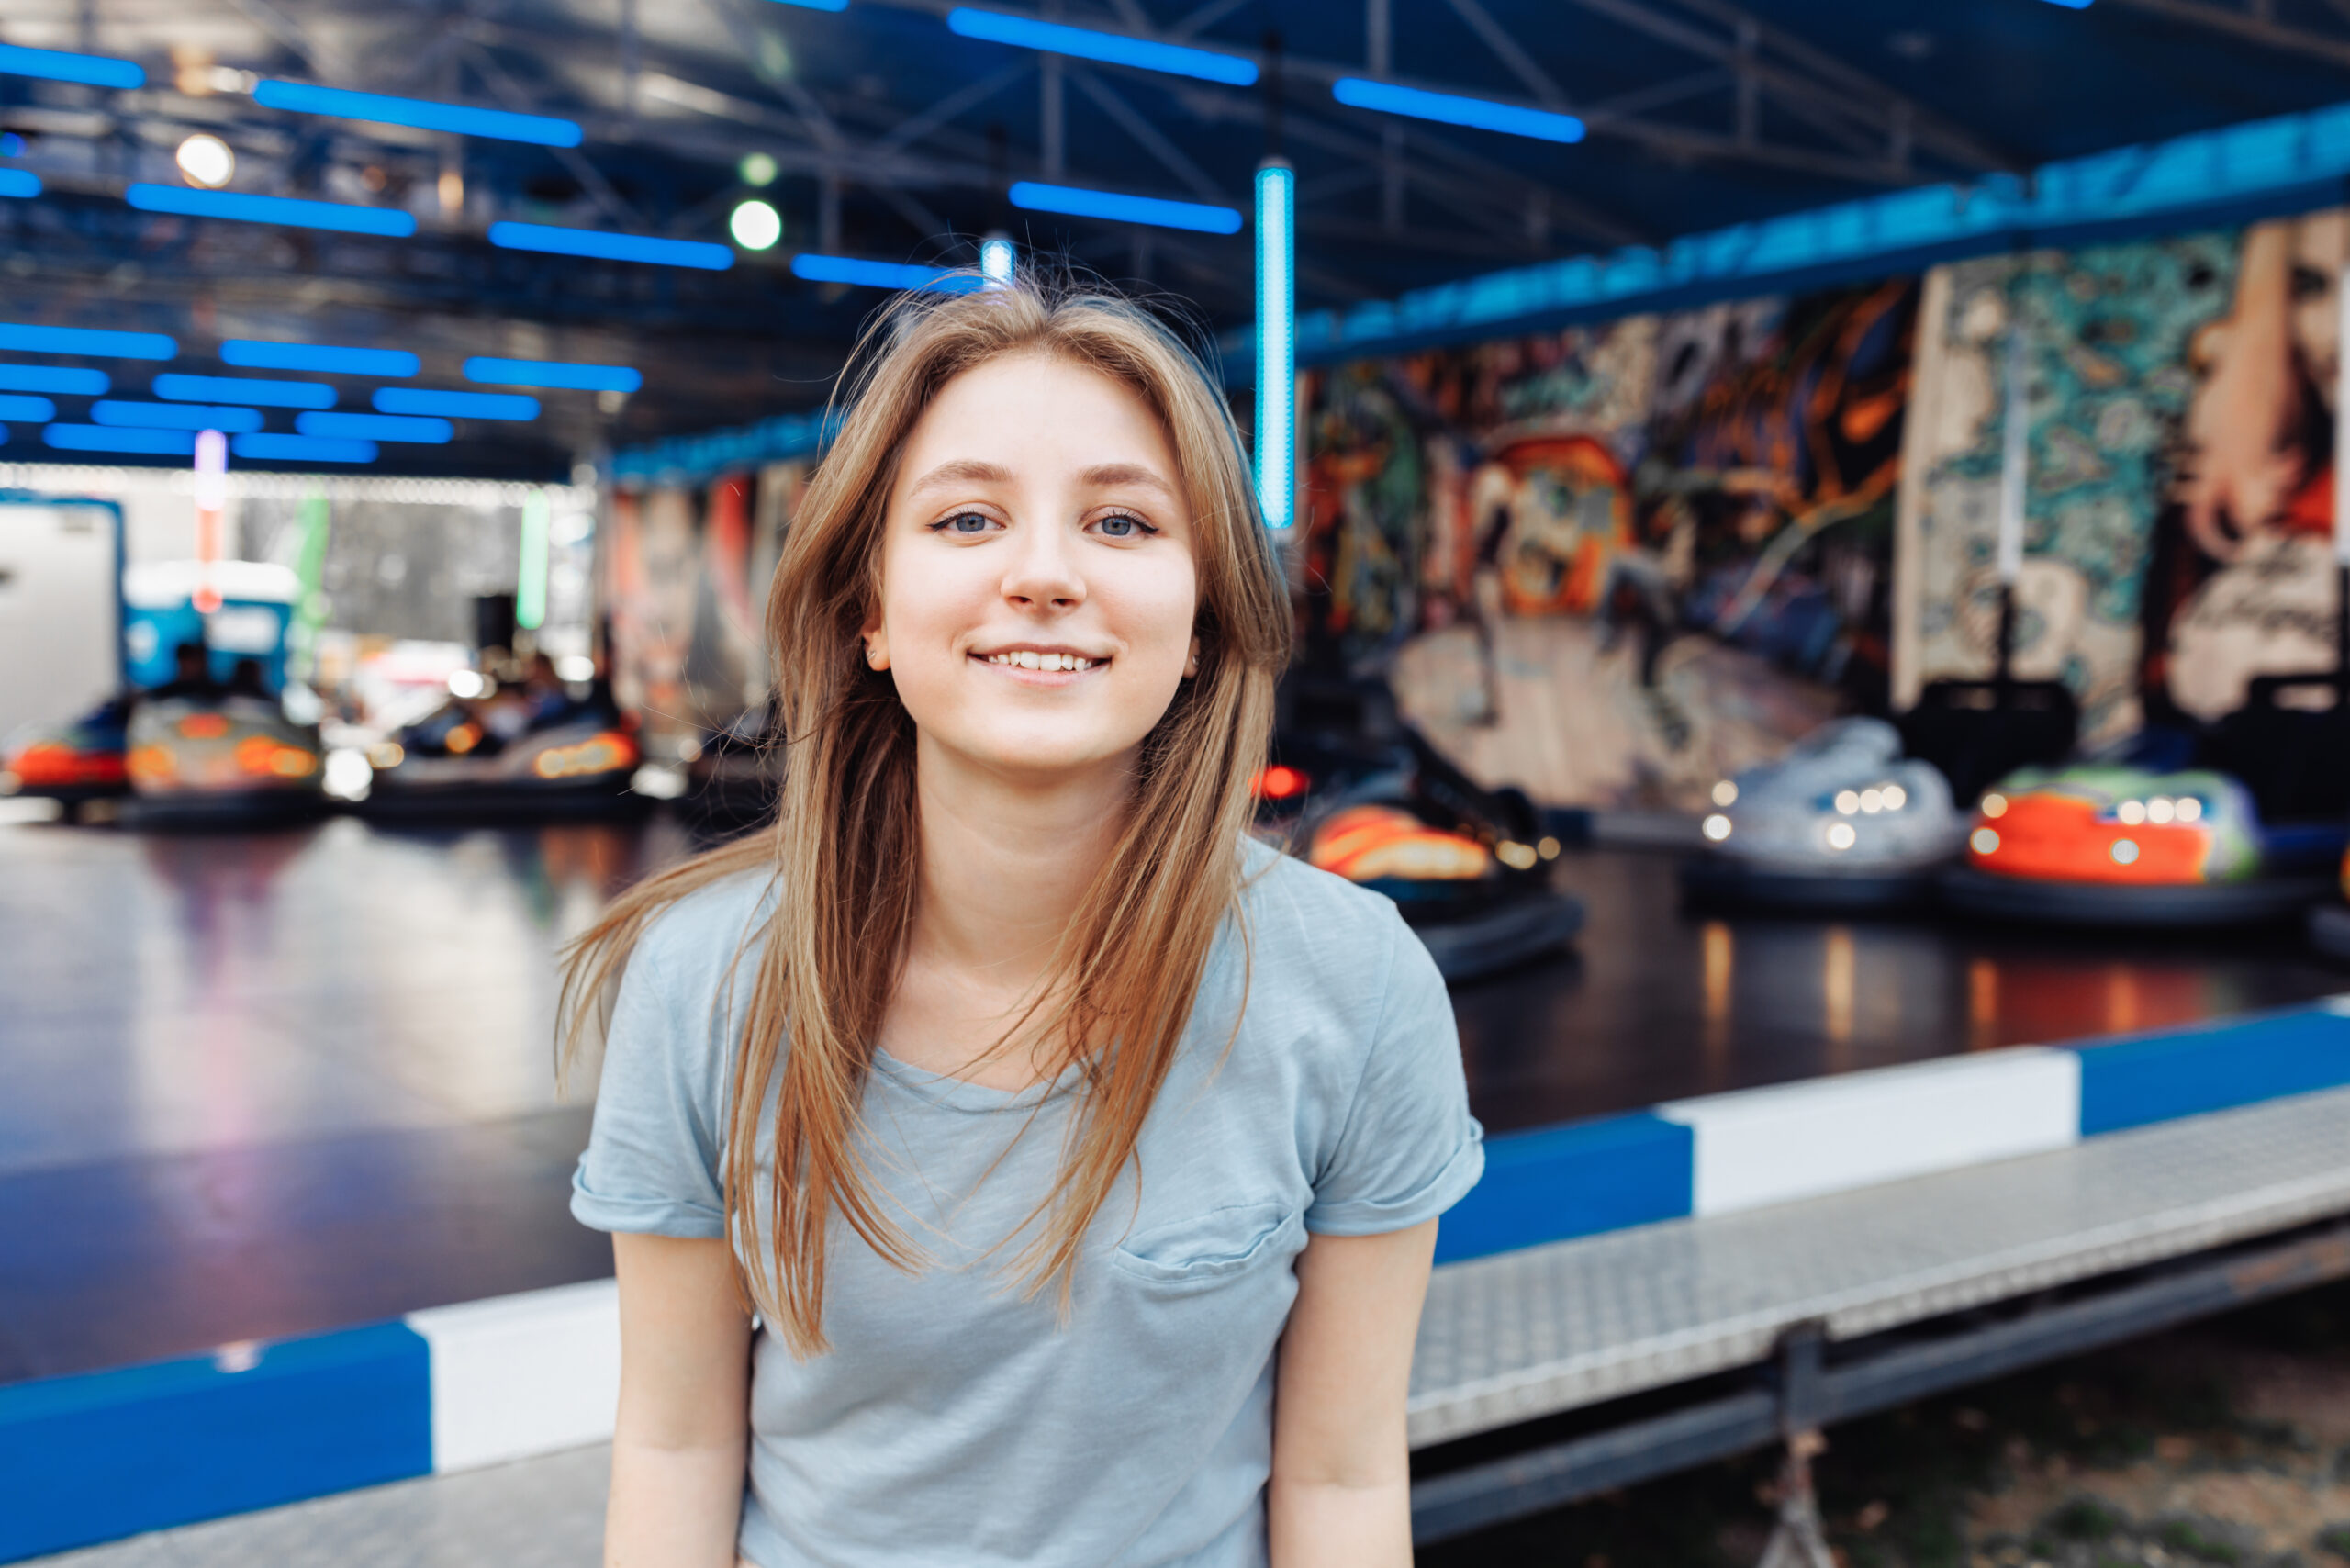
x: 1005, y: 860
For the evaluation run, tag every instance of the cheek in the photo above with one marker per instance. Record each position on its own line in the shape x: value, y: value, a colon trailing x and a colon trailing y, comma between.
x: 1153, y: 612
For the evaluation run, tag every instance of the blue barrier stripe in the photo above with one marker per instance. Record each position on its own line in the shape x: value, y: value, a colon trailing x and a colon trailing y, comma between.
x: 102, y: 1455
x: 2159, y: 1078
x: 1576, y: 1180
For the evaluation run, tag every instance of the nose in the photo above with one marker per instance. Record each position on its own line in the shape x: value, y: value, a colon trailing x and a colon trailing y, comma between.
x: 1043, y: 573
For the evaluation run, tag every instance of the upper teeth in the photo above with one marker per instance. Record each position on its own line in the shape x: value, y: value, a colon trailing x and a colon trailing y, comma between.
x: 1027, y: 658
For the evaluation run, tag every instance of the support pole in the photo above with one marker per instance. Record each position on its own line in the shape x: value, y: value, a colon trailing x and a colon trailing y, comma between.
x: 2341, y: 492
x: 211, y: 501
x: 2015, y: 459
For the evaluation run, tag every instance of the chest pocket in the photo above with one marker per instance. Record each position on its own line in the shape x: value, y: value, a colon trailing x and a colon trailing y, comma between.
x: 1214, y: 1247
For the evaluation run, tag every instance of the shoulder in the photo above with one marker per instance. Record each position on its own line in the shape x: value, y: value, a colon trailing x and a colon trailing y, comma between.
x: 690, y: 949
x: 1319, y: 941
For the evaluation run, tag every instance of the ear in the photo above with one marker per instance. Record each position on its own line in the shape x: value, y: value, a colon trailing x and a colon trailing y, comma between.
x: 877, y: 642
x: 1191, y: 662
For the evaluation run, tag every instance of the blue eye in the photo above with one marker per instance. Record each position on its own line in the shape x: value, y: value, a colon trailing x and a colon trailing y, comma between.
x: 969, y: 522
x: 1117, y: 526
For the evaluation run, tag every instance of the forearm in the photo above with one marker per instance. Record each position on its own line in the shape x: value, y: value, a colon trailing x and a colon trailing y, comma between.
x: 1332, y: 1525
x: 673, y: 1507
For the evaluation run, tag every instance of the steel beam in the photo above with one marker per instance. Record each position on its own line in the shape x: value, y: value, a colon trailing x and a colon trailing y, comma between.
x: 2251, y: 28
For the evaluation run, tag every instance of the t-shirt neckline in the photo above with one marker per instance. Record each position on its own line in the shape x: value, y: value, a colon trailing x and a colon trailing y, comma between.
x: 962, y: 1094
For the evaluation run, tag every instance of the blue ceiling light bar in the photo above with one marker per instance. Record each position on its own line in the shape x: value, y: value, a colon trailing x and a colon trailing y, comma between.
x: 456, y: 404
x: 60, y: 379
x: 99, y: 343
x: 377, y: 427
x: 20, y: 183
x: 56, y: 65
x: 318, y: 359
x: 1453, y: 109
x: 863, y: 274
x: 553, y: 373
x: 173, y: 416
x: 2071, y: 5
x: 24, y: 408
x: 308, y: 99
x: 269, y: 447
x: 291, y: 212
x: 101, y: 437
x: 244, y: 389
x: 1110, y: 48
x: 609, y: 246
x: 1277, y: 343
x: 817, y: 5
x: 1114, y: 206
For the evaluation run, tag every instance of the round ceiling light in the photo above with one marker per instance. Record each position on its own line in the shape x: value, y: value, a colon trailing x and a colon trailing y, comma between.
x: 205, y: 160
x: 756, y: 226
x: 758, y: 169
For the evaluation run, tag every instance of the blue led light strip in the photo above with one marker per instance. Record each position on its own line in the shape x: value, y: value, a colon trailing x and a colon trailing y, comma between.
x: 551, y: 372
x: 56, y: 65
x: 881, y: 274
x: 173, y: 416
x: 308, y: 98
x: 20, y: 183
x: 609, y: 246
x: 1113, y: 206
x: 319, y: 359
x: 1453, y: 109
x: 244, y: 389
x: 1277, y: 344
x: 96, y: 341
x: 270, y: 447
x: 1111, y: 49
x: 244, y: 206
x: 57, y: 378
x: 24, y: 408
x: 102, y: 438
x: 456, y: 404
x: 377, y: 427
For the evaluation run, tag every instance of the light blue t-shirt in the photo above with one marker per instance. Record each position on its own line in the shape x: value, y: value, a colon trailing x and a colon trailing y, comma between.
x: 955, y: 1420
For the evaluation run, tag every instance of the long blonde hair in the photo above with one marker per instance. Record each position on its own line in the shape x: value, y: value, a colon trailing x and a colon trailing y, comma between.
x: 841, y: 849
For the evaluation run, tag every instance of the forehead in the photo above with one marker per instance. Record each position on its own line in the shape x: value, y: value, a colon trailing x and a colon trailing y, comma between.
x: 1035, y: 413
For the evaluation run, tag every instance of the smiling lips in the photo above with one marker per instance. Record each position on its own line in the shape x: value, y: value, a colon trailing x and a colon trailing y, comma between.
x: 1052, y: 663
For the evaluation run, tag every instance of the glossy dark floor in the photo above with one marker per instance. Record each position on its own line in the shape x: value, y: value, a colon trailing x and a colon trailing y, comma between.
x: 253, y: 1086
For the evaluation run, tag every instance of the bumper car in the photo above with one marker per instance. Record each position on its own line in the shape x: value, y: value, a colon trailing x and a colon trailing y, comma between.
x: 506, y: 757
x: 221, y: 761
x: 84, y: 760
x: 1841, y: 825
x: 2104, y: 845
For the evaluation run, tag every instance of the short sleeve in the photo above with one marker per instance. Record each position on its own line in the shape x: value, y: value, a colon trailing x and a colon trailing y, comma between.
x: 652, y: 1159
x: 1408, y: 1149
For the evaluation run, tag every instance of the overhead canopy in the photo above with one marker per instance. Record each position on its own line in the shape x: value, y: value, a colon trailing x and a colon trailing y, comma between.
x: 893, y: 124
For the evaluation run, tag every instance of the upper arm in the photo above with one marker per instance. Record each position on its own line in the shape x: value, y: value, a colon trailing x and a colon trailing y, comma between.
x: 1346, y: 1359
x: 685, y: 1344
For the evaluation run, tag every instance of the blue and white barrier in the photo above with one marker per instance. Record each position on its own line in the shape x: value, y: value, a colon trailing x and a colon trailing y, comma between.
x: 107, y: 1454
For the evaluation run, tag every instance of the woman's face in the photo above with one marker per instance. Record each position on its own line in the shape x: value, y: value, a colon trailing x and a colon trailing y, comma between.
x: 1039, y: 586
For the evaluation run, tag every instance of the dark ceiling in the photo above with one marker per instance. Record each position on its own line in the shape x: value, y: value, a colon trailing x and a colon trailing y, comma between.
x: 894, y: 135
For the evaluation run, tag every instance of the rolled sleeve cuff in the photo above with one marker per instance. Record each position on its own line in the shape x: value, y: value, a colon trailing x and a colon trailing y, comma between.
x: 1368, y: 1216
x: 645, y: 1217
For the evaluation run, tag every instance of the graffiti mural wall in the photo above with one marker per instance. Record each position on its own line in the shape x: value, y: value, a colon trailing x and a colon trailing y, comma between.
x: 1611, y: 564
x: 2179, y: 513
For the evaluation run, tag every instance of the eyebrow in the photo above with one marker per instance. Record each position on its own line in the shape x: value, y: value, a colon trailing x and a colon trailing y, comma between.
x: 961, y: 471
x: 1108, y: 474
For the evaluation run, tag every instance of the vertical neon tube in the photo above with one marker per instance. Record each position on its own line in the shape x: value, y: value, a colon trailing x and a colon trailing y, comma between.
x: 996, y: 260
x: 211, y: 500
x: 1277, y: 343
x: 2341, y: 420
x: 530, y: 576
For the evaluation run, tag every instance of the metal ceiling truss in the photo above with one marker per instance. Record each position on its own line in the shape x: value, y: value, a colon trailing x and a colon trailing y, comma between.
x: 2254, y: 22
x: 1827, y: 119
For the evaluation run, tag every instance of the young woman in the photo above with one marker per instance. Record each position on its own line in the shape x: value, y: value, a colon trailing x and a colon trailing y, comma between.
x: 1010, y: 1162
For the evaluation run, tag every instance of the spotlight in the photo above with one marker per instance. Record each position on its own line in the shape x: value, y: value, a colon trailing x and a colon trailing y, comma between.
x: 205, y: 161
x: 756, y: 226
x: 757, y: 169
